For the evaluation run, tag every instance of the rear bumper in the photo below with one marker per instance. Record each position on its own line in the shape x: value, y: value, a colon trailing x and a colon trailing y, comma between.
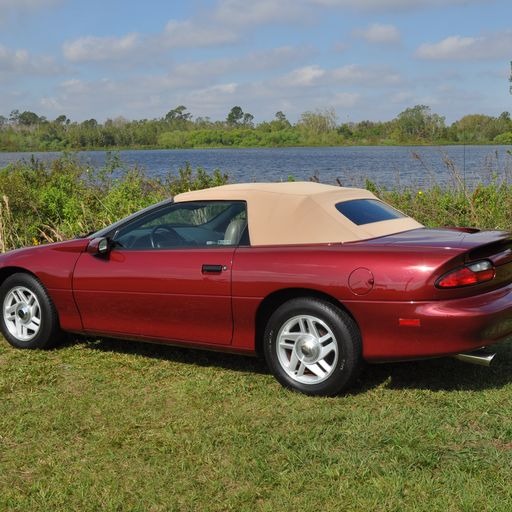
x: 439, y: 327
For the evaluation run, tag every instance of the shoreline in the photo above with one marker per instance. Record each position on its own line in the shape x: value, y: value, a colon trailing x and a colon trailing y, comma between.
x: 298, y: 146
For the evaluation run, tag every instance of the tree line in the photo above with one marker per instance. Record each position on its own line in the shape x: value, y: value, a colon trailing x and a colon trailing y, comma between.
x: 27, y: 131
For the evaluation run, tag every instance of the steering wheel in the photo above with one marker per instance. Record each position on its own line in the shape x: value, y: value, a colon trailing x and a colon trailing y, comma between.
x: 170, y: 234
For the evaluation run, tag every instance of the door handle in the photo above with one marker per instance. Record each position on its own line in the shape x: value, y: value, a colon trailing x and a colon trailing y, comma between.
x: 212, y: 269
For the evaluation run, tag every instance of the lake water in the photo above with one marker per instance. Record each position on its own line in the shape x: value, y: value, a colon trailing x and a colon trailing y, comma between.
x: 396, y: 166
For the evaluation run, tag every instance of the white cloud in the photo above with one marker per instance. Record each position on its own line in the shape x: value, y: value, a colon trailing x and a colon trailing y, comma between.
x: 340, y: 47
x: 352, y: 74
x: 379, y: 34
x: 207, y: 87
x: 386, y: 5
x: 132, y: 49
x: 452, y: 47
x: 81, y: 99
x: 402, y: 97
x: 345, y: 99
x: 13, y: 60
x: 215, y: 91
x: 21, y: 62
x: 192, y: 34
x: 267, y: 60
x: 140, y: 97
x: 27, y: 4
x: 491, y: 46
x: 18, y: 8
x: 276, y: 58
x: 97, y: 49
x: 243, y: 13
x: 370, y: 76
x: 305, y: 76
x: 50, y: 104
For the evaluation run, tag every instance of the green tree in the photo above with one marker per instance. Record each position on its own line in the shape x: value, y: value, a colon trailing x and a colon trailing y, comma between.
x: 14, y: 116
x: 279, y: 122
x: 248, y: 120
x: 203, y: 122
x: 279, y: 116
x: 477, y: 128
x: 235, y: 116
x: 319, y: 121
x: 62, y: 119
x: 28, y: 118
x: 178, y: 115
x: 90, y: 123
x: 505, y: 116
x: 419, y: 122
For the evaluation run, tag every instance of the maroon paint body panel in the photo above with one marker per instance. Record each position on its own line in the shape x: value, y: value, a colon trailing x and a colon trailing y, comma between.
x: 387, y: 285
x: 400, y: 284
x: 53, y: 264
x: 157, y: 294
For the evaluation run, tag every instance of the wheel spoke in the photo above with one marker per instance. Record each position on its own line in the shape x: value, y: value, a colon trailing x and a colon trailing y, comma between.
x: 325, y: 337
x: 33, y: 325
x: 19, y: 327
x: 300, y: 371
x: 294, y: 360
x: 287, y: 337
x: 324, y: 365
x: 17, y: 296
x: 303, y: 325
x: 315, y: 368
x: 312, y: 328
x: 328, y: 349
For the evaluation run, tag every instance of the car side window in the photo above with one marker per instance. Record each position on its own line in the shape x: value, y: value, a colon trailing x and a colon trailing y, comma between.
x: 191, y: 224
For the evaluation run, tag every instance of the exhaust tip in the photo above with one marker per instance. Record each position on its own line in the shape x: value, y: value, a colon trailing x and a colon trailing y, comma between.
x: 479, y: 357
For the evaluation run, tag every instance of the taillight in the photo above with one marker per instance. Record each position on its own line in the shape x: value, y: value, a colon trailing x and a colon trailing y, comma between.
x: 478, y: 272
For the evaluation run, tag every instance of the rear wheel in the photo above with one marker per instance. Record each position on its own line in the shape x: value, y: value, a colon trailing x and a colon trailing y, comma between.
x: 29, y: 319
x: 313, y: 346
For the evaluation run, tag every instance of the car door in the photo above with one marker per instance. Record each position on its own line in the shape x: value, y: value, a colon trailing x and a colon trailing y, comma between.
x: 166, y: 277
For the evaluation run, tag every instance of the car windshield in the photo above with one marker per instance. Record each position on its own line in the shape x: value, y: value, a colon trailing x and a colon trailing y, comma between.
x: 110, y: 229
x: 366, y: 211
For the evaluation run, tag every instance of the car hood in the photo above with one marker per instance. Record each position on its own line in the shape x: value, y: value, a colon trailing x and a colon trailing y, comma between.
x: 77, y: 245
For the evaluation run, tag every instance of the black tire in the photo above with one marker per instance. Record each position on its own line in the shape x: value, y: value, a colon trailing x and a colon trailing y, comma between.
x: 307, y: 336
x: 28, y: 317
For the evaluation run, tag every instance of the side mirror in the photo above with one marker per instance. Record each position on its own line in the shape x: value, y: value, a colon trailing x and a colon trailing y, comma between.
x: 99, y: 246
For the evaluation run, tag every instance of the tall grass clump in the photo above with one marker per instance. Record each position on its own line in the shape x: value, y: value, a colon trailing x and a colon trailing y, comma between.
x: 486, y: 205
x: 52, y: 201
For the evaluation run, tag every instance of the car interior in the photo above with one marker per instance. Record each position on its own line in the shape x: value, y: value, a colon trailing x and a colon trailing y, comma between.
x: 193, y: 224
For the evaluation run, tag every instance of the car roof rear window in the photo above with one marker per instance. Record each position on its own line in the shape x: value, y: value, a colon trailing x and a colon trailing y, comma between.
x: 366, y: 211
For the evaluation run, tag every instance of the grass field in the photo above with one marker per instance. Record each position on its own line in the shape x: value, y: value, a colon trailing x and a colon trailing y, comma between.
x: 106, y: 425
x: 109, y: 425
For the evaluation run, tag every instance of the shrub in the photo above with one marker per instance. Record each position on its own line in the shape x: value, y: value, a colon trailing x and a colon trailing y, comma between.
x: 47, y: 202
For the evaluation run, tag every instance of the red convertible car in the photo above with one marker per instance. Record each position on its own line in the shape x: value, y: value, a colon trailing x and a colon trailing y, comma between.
x: 317, y: 278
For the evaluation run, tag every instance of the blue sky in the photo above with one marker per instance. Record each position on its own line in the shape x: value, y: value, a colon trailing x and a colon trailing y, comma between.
x: 367, y: 59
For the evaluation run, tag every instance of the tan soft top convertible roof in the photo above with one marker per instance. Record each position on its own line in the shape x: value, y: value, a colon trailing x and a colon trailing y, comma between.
x: 299, y: 212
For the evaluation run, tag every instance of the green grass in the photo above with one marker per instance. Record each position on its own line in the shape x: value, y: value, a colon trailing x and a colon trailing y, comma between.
x: 105, y: 425
x: 119, y: 426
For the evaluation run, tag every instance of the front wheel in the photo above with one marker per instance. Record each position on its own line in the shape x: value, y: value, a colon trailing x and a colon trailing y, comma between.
x: 29, y: 319
x: 313, y: 347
